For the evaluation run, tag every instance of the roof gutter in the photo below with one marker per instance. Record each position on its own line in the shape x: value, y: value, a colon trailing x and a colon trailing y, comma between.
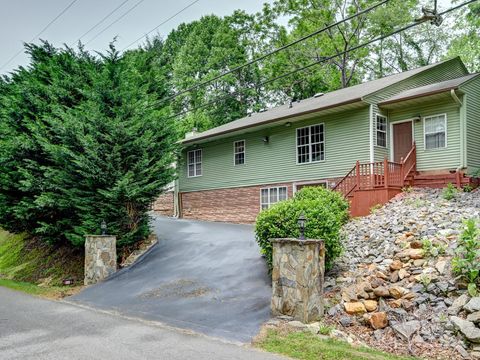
x: 199, y: 137
x: 455, y: 97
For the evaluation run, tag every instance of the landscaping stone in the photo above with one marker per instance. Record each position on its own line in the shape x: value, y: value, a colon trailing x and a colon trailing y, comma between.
x: 473, y: 305
x: 467, y: 328
x: 355, y: 308
x: 474, y: 317
x: 381, y: 291
x: 378, y: 320
x: 370, y: 305
x: 458, y: 304
x: 407, y: 329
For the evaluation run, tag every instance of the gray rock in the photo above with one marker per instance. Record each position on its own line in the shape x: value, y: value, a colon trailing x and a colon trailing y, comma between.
x: 297, y: 325
x: 462, y: 352
x: 406, y: 330
x: 473, y: 305
x: 474, y: 317
x: 467, y: 328
x: 458, y: 304
x: 346, y: 321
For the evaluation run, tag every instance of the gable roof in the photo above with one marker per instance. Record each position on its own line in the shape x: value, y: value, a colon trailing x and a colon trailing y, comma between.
x: 431, y: 89
x: 345, y: 96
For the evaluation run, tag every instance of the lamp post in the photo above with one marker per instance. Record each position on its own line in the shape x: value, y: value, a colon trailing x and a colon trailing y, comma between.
x: 302, y: 220
x: 103, y: 226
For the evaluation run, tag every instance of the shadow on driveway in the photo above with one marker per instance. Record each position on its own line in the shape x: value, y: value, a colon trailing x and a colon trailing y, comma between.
x: 208, y: 277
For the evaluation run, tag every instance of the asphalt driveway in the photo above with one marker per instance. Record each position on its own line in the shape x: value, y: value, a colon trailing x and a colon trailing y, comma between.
x: 207, y: 277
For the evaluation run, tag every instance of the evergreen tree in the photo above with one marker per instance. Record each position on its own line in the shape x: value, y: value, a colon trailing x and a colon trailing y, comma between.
x: 83, y: 140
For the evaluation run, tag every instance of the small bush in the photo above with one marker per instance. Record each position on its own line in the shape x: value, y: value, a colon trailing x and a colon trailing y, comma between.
x: 326, y: 211
x: 449, y: 192
x: 466, y: 262
x: 467, y: 188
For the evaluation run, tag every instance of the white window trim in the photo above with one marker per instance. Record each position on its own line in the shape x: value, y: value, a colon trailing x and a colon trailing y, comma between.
x: 390, y: 127
x: 310, y: 145
x: 195, y: 164
x: 244, y: 152
x: 306, y: 183
x: 425, y: 134
x: 376, y: 131
x: 269, y: 188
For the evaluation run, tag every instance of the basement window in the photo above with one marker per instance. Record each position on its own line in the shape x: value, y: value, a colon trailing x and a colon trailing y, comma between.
x: 270, y: 196
x: 239, y: 152
x: 381, y: 131
x: 194, y: 163
x: 435, y: 130
x: 311, y: 144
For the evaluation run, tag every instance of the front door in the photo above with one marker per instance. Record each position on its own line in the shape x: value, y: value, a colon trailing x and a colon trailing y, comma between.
x: 402, y: 140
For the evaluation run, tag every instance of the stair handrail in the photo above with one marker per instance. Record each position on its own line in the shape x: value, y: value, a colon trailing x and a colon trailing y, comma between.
x: 352, y: 173
x: 411, y: 157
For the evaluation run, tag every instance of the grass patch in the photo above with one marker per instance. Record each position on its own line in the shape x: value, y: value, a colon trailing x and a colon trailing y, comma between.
x: 307, y: 346
x: 26, y: 263
x: 49, y: 292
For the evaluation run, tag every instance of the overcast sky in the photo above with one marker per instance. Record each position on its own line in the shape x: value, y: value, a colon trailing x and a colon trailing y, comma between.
x: 21, y: 20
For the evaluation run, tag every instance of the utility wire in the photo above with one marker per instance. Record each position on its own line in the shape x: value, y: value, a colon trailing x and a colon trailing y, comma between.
x: 324, y: 59
x: 101, y: 21
x: 319, y: 31
x: 40, y: 33
x: 162, y: 23
x: 116, y: 21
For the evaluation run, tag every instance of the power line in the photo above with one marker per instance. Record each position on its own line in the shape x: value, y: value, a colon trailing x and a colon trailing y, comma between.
x: 40, y: 33
x: 162, y: 23
x: 324, y: 59
x: 326, y: 28
x: 101, y: 21
x: 116, y: 21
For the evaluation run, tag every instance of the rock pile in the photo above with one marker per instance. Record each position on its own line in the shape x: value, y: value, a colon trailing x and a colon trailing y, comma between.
x: 395, y: 276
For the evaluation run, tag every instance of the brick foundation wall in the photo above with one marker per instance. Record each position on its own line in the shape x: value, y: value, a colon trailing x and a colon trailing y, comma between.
x: 235, y: 205
x: 164, y: 204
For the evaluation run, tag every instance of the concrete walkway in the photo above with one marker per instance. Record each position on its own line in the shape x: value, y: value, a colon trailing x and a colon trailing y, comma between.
x: 207, y: 277
x: 32, y: 328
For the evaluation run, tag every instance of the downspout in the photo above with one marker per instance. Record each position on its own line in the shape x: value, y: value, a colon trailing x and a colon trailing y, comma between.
x: 372, y: 152
x: 462, y: 130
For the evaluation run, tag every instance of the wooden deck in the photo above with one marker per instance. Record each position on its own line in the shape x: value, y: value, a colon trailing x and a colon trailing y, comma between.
x: 371, y: 184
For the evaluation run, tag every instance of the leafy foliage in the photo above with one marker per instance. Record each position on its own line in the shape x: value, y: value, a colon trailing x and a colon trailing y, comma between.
x: 466, y: 262
x: 450, y: 192
x: 82, y: 140
x: 326, y: 211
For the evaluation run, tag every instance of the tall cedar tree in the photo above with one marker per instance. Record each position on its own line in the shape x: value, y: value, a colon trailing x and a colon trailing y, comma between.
x: 83, y: 140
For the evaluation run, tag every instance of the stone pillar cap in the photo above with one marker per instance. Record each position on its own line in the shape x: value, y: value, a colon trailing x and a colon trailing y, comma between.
x: 297, y: 241
x: 99, y: 235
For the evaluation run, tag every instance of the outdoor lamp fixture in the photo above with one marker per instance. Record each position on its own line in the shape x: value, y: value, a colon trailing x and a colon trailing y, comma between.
x: 103, y: 226
x: 302, y: 221
x: 266, y: 139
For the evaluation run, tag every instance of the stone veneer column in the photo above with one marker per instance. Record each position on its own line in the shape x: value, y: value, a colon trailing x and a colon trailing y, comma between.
x: 297, y: 278
x: 100, y: 257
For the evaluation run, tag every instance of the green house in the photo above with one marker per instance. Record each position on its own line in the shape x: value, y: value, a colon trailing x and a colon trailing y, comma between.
x: 420, y: 128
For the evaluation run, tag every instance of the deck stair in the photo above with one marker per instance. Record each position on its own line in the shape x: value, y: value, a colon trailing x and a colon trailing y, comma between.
x: 371, y: 184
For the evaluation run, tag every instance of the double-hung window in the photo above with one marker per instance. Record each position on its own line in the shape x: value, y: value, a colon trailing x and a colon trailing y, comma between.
x: 311, y: 144
x: 270, y: 196
x: 194, y: 163
x: 239, y: 152
x: 381, y: 131
x: 435, y: 130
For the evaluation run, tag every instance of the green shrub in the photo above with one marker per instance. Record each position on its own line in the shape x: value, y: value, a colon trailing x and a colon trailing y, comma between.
x: 449, y: 192
x: 466, y: 261
x: 326, y: 211
x: 467, y: 188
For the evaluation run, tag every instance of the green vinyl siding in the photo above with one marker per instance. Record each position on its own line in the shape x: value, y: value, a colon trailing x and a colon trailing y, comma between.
x: 448, y: 70
x: 451, y: 69
x: 379, y: 152
x: 472, y: 111
x: 434, y: 159
x: 346, y: 141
